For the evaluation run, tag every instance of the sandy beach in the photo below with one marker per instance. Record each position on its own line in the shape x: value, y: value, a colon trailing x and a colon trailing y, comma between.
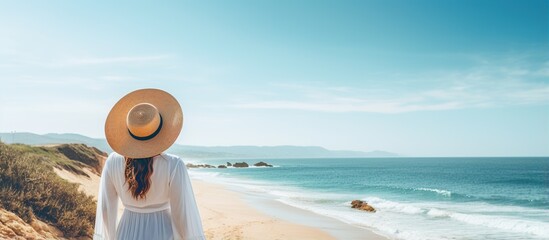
x: 226, y: 214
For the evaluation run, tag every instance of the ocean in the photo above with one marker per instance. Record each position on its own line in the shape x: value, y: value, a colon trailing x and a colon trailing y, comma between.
x: 415, y: 198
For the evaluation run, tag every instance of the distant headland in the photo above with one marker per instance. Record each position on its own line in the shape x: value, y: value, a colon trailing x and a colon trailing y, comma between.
x: 198, y: 152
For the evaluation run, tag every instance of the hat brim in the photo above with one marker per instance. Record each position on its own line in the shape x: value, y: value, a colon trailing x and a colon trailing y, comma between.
x: 117, y: 133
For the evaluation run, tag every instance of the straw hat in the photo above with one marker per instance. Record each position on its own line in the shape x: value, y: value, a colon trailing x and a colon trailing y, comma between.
x: 144, y: 123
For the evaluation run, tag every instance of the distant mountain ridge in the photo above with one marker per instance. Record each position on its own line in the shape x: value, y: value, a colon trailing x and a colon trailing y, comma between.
x: 201, y: 152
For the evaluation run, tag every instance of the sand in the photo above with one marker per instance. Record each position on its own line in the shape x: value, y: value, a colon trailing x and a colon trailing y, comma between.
x: 89, y: 185
x: 227, y: 215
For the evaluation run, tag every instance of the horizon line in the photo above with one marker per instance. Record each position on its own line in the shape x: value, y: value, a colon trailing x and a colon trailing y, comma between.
x: 397, y: 155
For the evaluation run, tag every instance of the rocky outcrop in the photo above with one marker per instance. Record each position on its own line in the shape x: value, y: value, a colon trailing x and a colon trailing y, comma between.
x: 362, y: 205
x: 13, y: 227
x: 240, y: 165
x: 263, y: 164
x: 190, y: 165
x: 236, y: 165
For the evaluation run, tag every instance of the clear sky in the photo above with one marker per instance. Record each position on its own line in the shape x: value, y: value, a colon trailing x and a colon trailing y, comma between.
x: 418, y: 78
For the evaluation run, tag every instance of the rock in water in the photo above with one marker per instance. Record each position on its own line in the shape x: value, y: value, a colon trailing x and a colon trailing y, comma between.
x: 356, y: 203
x: 190, y: 165
x: 362, y: 205
x: 221, y: 166
x: 262, y: 164
x: 229, y: 164
x: 242, y: 164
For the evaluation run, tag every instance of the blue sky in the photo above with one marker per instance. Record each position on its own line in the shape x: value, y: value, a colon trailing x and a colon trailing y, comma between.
x: 419, y: 78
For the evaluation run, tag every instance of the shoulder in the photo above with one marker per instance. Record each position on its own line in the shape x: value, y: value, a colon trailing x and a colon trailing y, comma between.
x: 113, y: 159
x: 174, y: 162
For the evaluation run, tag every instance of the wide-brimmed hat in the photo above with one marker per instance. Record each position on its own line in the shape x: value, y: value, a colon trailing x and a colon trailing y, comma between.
x: 144, y: 123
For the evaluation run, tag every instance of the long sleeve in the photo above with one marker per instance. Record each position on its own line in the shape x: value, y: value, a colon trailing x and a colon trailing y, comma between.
x: 186, y: 220
x: 107, y: 207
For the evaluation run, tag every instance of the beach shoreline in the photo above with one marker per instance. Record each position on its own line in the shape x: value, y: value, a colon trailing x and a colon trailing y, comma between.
x: 231, y: 213
x: 228, y: 213
x: 225, y: 215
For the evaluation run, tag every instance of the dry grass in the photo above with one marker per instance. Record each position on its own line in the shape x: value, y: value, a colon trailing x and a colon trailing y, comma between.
x: 30, y: 188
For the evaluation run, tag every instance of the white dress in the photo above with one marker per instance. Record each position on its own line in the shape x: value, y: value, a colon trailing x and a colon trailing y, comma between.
x: 169, y: 210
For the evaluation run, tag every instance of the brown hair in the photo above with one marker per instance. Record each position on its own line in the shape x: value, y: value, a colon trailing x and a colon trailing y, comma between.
x: 138, y: 176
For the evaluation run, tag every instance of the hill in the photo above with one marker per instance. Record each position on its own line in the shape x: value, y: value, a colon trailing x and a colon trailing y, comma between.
x: 35, y: 202
x: 200, y: 152
x: 53, y: 138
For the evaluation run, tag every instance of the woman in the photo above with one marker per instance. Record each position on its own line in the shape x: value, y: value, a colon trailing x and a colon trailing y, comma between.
x: 153, y: 186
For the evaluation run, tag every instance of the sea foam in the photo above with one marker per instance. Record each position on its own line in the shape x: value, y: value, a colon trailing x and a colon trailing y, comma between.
x: 438, y: 191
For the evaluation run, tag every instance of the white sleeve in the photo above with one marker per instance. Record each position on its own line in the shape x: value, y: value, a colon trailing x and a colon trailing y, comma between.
x: 186, y: 220
x: 107, y: 207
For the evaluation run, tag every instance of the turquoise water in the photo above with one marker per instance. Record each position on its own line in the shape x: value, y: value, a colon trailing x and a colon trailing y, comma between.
x: 416, y: 198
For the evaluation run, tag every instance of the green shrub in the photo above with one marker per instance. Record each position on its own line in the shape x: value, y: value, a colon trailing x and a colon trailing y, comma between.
x: 30, y: 188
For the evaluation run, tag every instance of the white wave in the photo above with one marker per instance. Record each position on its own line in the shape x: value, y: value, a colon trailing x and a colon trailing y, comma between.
x: 378, y: 222
x: 386, y: 205
x: 441, y: 192
x: 434, y: 212
x: 273, y: 166
x: 419, y: 212
x: 505, y: 223
x: 492, y: 221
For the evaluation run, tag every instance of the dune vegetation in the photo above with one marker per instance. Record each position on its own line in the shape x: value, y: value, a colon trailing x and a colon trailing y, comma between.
x: 30, y: 188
